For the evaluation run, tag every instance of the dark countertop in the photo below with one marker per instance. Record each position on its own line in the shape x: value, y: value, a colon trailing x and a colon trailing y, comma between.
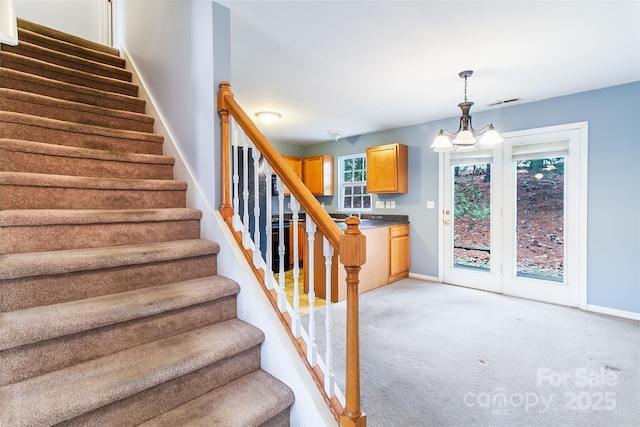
x: 373, y: 220
x: 367, y: 220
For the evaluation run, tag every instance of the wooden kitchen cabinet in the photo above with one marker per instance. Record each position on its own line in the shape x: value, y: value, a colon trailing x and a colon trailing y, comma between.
x: 398, y: 252
x: 387, y: 169
x: 295, y: 163
x: 317, y: 174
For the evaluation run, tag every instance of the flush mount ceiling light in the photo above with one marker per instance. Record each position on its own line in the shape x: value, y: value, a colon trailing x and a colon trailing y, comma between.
x: 335, y: 134
x: 268, y: 117
x: 465, y: 136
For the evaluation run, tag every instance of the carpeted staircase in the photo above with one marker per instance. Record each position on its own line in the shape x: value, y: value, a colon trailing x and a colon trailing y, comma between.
x: 112, y: 312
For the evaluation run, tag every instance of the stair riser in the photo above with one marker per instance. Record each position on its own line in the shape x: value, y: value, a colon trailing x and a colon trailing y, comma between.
x: 32, y: 197
x: 157, y: 400
x: 65, y: 75
x: 35, y: 359
x: 76, y: 139
x: 283, y: 419
x: 44, y: 290
x: 26, y: 239
x: 70, y: 49
x: 69, y: 93
x: 74, y: 116
x: 17, y: 161
x: 79, y: 64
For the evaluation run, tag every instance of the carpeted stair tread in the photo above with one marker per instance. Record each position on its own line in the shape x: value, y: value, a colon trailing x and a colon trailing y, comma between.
x: 29, y: 36
x: 19, y: 80
x: 70, y: 392
x: 25, y: 217
x: 64, y: 181
x: 46, y: 322
x: 69, y: 38
x: 65, y: 74
x: 36, y: 147
x: 42, y: 129
x: 68, y: 61
x: 53, y: 108
x: 251, y: 400
x: 15, y: 266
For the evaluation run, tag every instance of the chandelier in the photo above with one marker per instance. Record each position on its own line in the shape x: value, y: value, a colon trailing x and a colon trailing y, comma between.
x: 464, y: 139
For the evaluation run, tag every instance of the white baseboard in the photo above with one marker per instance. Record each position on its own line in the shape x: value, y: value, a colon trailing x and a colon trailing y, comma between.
x: 423, y: 277
x: 613, y: 312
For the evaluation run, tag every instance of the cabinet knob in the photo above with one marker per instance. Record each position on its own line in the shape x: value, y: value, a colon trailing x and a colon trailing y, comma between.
x: 447, y: 222
x: 447, y: 212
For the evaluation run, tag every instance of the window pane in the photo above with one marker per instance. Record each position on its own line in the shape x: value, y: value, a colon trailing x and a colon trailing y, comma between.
x: 347, y: 190
x: 472, y: 216
x: 357, y: 176
x: 357, y: 202
x: 357, y: 190
x: 366, y: 202
x: 347, y: 202
x: 359, y: 163
x: 348, y: 176
x: 348, y: 164
x: 540, y: 218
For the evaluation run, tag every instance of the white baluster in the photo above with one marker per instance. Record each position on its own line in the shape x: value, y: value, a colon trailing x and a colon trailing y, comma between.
x: 329, y: 384
x: 282, y: 296
x: 268, y: 227
x: 235, y: 221
x: 295, y: 323
x: 257, y: 256
x: 246, y: 238
x: 312, y: 351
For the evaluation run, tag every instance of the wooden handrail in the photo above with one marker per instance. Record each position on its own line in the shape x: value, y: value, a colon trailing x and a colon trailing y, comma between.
x: 227, y: 104
x: 350, y: 245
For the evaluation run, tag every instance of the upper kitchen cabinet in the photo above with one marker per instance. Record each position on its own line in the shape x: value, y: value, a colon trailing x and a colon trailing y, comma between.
x: 295, y: 163
x: 317, y: 174
x: 387, y: 169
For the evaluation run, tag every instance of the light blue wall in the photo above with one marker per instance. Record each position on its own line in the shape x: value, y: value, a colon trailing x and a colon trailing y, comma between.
x: 613, y: 184
x: 172, y: 45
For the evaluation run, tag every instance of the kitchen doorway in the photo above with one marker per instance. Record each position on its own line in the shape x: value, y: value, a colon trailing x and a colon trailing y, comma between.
x: 514, y: 218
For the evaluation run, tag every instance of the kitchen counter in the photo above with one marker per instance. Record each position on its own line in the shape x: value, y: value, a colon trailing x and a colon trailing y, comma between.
x: 372, y: 221
x: 387, y: 256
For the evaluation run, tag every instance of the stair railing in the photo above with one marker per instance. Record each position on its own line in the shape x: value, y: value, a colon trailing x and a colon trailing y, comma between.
x: 241, y: 182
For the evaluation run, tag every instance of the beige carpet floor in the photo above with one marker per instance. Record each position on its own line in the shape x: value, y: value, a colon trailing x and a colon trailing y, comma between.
x: 441, y: 355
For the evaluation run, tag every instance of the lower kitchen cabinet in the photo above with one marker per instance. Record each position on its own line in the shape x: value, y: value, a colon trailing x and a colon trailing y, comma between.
x: 398, y: 252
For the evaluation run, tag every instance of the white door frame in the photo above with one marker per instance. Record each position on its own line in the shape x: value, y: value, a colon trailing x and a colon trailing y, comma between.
x: 578, y: 273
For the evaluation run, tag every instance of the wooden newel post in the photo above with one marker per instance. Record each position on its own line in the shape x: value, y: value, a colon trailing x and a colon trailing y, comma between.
x: 226, y: 208
x: 353, y: 256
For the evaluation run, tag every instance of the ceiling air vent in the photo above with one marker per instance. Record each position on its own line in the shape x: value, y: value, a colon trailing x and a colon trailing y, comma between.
x: 504, y: 101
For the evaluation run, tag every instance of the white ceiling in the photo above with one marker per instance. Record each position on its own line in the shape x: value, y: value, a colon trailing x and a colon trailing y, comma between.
x: 365, y: 66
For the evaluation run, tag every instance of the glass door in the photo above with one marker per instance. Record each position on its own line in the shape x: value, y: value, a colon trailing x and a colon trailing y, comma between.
x: 470, y: 220
x: 514, y: 218
x: 545, y: 222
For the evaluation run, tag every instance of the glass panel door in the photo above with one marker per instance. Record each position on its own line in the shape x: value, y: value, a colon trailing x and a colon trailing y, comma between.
x: 471, y: 225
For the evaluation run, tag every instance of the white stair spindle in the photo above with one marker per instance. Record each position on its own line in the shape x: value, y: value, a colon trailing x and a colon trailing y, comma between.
x: 235, y: 221
x: 312, y: 351
x: 329, y: 382
x: 295, y: 323
x: 268, y: 227
x: 246, y: 238
x: 282, y: 296
x: 257, y: 255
